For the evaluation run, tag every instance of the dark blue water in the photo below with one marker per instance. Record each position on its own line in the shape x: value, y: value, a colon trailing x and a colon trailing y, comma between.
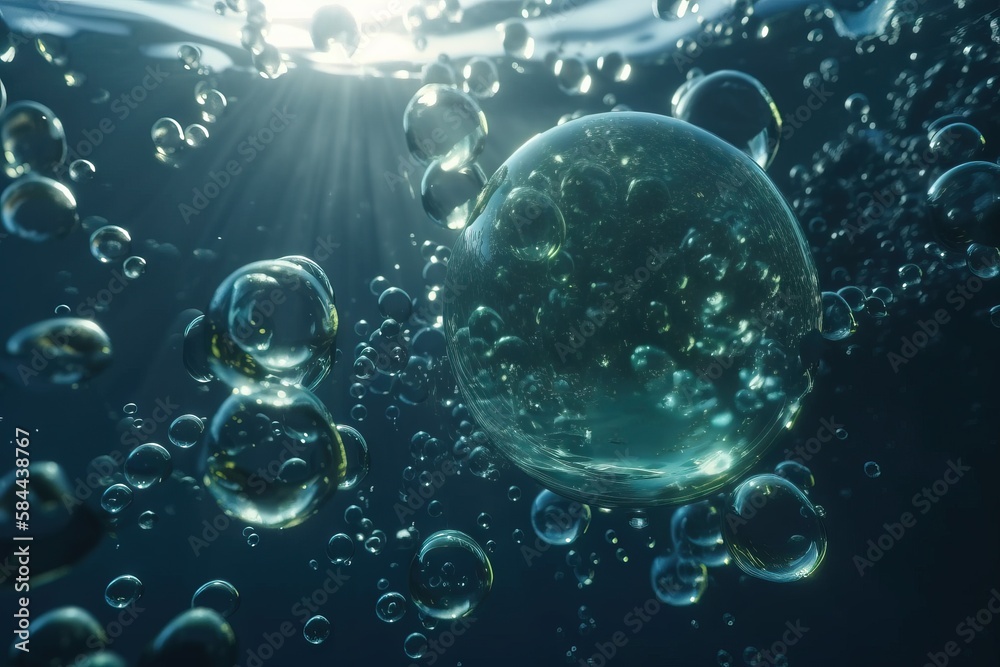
x: 909, y: 571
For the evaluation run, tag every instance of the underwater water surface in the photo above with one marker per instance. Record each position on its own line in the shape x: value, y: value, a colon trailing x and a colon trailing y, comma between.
x: 489, y: 332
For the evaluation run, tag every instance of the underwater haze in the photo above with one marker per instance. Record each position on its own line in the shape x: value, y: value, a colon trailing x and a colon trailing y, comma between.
x: 472, y: 333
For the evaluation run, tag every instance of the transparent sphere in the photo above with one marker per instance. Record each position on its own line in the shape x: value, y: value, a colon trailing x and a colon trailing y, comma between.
x: 33, y: 139
x: 572, y: 75
x: 148, y: 519
x: 36, y: 208
x: 273, y: 456
x: 772, y: 530
x: 334, y: 25
x: 735, y: 107
x: 450, y: 575
x: 838, y: 320
x: 123, y: 591
x: 340, y: 549
x: 517, y: 40
x: 671, y: 10
x: 134, y: 267
x: 965, y: 205
x: 358, y: 460
x: 449, y: 196
x: 796, y: 473
x: 62, y: 350
x: 185, y: 431
x: 439, y: 72
x: 415, y: 645
x: 614, y: 380
x: 110, y: 243
x: 168, y: 136
x: 983, y: 260
x: 116, y: 498
x: 444, y: 124
x: 678, y: 581
x: 147, y: 464
x: 81, y: 171
x: 557, y: 520
x: 957, y: 142
x: 481, y: 78
x: 219, y: 596
x: 391, y: 607
x: 273, y: 320
x: 696, y: 532
x: 316, y: 629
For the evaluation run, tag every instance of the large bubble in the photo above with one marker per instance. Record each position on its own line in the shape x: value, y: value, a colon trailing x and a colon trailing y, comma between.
x: 630, y: 301
x: 273, y: 456
x: 273, y: 320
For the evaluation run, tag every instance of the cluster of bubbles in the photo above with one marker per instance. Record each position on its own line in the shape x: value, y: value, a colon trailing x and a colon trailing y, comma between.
x: 446, y: 131
x: 172, y: 140
x: 718, y: 370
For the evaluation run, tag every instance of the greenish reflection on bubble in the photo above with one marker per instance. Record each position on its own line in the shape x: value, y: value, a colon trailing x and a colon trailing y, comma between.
x: 273, y: 456
x: 773, y: 531
x: 450, y: 575
x: 662, y: 356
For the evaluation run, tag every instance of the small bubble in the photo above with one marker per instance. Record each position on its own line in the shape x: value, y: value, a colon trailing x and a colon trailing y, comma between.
x: 872, y: 469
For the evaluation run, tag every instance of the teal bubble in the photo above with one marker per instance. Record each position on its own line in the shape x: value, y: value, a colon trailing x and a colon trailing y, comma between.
x: 450, y: 575
x: 273, y: 456
x: 838, y: 320
x: 123, y: 591
x: 773, y: 531
x: 562, y: 367
x: 316, y: 629
x: 736, y: 108
x: 557, y: 520
x: 678, y: 581
x: 696, y: 533
x: 274, y: 321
